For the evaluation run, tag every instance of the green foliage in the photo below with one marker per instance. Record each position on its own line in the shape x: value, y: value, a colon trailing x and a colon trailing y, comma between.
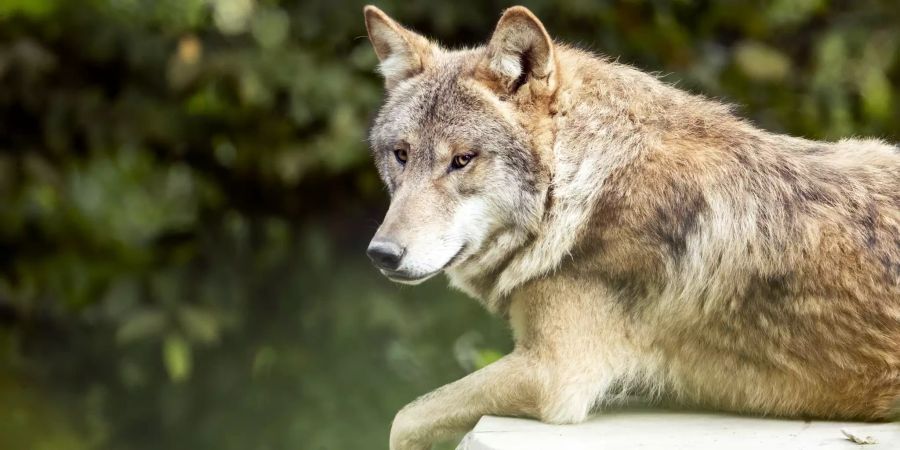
x: 186, y: 193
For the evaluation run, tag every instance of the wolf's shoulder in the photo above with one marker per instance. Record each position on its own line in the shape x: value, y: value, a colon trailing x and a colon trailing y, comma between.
x: 869, y: 146
x: 862, y: 153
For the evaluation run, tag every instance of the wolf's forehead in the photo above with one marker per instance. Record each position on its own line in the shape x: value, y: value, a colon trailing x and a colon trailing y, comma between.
x: 441, y: 96
x: 443, y: 104
x: 444, y: 100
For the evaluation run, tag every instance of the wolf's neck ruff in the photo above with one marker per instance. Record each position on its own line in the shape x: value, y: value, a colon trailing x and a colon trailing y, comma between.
x: 589, y: 140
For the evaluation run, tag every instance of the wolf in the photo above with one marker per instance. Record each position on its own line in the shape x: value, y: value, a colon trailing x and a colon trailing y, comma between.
x: 637, y: 238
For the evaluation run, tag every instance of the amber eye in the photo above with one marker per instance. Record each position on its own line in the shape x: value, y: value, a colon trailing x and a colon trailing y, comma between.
x: 460, y: 161
x: 401, y: 156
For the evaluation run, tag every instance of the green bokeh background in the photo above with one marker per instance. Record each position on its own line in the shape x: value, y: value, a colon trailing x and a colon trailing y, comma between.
x: 186, y: 196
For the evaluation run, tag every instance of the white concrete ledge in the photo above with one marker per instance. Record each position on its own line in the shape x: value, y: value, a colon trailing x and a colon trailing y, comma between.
x: 653, y: 429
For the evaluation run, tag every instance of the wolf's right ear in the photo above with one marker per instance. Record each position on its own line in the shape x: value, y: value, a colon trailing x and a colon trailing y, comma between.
x: 402, y: 53
x: 520, y: 53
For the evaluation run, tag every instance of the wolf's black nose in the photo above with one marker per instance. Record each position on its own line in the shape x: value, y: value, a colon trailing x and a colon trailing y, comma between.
x: 385, y: 254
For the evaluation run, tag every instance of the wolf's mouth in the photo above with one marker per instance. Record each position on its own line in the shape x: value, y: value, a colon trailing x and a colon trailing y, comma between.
x: 405, y: 278
x: 401, y: 277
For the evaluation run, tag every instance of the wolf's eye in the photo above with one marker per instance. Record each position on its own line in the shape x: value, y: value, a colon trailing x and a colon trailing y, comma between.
x: 401, y: 156
x: 460, y: 161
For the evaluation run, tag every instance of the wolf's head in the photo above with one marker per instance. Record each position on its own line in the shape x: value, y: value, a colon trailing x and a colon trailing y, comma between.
x: 462, y: 143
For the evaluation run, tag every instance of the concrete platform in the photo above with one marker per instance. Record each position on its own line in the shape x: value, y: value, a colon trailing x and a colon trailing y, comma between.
x: 642, y: 428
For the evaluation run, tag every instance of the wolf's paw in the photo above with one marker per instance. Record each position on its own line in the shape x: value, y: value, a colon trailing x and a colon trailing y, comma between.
x: 405, y: 433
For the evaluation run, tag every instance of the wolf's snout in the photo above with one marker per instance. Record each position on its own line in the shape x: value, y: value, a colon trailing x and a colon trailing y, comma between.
x: 385, y: 254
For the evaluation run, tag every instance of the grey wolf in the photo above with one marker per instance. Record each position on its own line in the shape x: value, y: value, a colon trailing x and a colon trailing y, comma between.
x: 638, y: 238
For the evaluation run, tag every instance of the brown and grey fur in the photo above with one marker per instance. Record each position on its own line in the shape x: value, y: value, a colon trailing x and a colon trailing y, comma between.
x: 637, y: 237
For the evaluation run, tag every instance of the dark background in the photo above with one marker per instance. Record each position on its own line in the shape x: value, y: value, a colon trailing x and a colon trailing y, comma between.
x: 186, y: 196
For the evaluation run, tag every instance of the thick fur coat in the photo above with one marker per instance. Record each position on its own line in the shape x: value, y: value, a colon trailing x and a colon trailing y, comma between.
x: 638, y: 238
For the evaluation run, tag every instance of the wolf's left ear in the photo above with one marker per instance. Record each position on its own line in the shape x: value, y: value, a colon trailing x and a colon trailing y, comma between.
x: 402, y: 53
x: 520, y: 52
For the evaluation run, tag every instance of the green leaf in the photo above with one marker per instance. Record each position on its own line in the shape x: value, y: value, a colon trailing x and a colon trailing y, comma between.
x: 177, y: 358
x: 264, y: 361
x: 761, y: 62
x: 486, y: 357
x: 199, y: 324
x: 34, y: 9
x: 141, y: 325
x: 875, y: 89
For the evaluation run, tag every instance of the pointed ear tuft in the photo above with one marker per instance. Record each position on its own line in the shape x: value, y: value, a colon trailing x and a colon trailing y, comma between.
x: 520, y: 51
x: 402, y: 53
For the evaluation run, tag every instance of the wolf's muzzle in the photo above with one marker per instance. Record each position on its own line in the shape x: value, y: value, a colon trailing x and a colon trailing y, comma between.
x: 385, y: 255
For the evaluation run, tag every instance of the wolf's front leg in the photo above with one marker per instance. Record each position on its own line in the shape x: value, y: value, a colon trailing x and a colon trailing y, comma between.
x: 502, y: 388
x: 519, y: 384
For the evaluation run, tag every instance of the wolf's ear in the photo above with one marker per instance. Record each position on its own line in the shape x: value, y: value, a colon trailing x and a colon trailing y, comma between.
x: 402, y: 53
x: 520, y: 52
